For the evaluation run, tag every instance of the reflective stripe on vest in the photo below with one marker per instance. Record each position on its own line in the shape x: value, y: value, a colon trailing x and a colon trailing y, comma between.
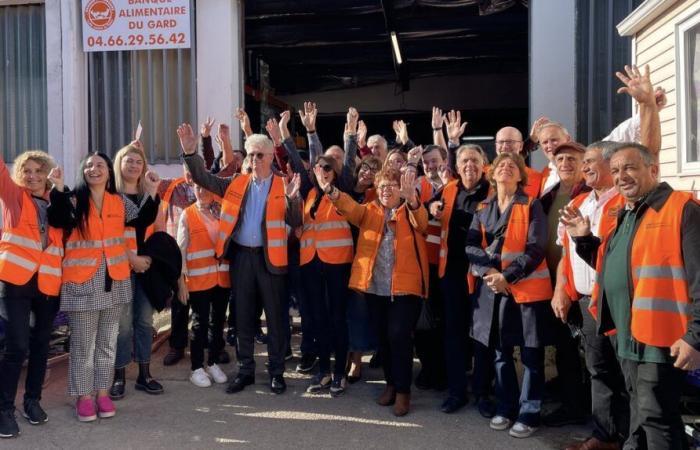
x: 326, y: 235
x: 103, y: 236
x: 203, y: 270
x: 536, y: 286
x: 275, y: 210
x: 22, y: 255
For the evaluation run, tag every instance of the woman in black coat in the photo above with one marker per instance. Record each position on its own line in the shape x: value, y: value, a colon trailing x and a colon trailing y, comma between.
x: 506, y: 246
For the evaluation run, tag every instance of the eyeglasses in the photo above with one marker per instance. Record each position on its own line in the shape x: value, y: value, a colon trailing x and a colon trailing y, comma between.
x: 385, y: 187
x: 326, y: 167
x: 369, y: 168
x: 507, y: 142
x: 257, y: 155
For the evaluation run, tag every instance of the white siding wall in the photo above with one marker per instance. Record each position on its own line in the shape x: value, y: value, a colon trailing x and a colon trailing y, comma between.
x: 656, y: 46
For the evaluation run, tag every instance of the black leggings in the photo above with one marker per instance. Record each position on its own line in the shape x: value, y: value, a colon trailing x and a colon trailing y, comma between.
x: 394, y: 322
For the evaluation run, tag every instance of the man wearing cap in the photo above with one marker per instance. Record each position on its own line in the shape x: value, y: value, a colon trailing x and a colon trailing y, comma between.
x: 568, y: 159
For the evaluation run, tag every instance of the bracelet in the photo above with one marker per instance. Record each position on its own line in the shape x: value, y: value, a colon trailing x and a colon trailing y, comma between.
x: 437, y: 129
x: 310, y: 131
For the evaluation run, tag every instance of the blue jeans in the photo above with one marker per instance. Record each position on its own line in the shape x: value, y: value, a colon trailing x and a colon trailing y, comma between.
x: 135, y: 329
x: 524, y: 406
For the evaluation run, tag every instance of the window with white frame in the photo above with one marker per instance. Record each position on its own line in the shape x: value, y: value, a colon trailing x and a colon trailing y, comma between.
x: 688, y: 67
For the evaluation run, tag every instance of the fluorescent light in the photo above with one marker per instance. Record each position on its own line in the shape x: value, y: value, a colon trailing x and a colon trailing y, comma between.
x: 395, y: 45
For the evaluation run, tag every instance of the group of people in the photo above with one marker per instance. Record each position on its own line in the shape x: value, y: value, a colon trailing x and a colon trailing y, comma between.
x: 449, y: 257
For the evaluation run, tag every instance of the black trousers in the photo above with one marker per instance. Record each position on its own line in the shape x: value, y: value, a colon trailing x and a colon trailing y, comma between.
x: 326, y: 289
x: 574, y: 393
x: 179, y: 320
x: 394, y: 320
x: 458, y: 346
x: 655, y: 397
x: 251, y: 280
x: 208, y: 307
x: 21, y: 340
x: 430, y: 347
x: 609, y: 399
x: 484, y: 370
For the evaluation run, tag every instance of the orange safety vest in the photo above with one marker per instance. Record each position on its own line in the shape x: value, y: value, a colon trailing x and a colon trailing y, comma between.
x: 203, y: 270
x: 410, y: 272
x: 104, y: 235
x: 660, y: 297
x: 543, y: 180
x: 537, y: 285
x: 21, y: 253
x: 449, y: 194
x: 327, y: 235
x: 275, y: 226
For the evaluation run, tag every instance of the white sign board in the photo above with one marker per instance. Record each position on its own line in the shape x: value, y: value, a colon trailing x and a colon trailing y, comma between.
x: 135, y: 24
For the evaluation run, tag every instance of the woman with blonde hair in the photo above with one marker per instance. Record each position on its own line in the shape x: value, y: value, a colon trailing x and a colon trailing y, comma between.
x: 30, y: 279
x: 136, y: 322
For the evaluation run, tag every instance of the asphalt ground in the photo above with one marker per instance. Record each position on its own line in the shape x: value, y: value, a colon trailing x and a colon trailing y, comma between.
x: 188, y: 417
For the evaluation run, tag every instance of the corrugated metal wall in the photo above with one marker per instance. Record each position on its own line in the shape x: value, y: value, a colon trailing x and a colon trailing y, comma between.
x: 157, y: 87
x: 23, y: 116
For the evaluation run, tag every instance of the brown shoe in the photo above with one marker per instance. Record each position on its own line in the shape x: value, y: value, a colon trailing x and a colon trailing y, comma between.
x: 594, y: 444
x: 402, y: 405
x: 388, y: 396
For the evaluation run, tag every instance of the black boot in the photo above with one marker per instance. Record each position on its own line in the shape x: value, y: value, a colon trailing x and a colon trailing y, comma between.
x: 145, y: 382
x: 118, y: 385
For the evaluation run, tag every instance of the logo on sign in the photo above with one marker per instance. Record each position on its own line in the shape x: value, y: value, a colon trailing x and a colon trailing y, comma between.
x: 100, y: 14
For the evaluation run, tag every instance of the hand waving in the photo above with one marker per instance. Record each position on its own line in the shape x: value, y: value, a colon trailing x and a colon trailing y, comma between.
x: 291, y: 185
x: 284, y: 124
x: 324, y: 185
x: 151, y: 180
x: 205, y: 129
x: 244, y: 120
x: 455, y: 127
x: 273, y: 130
x: 308, y: 116
x: 438, y: 118
x: 536, y: 127
x: 361, y: 133
x: 637, y: 85
x: 188, y: 141
x: 408, y: 187
x: 576, y: 225
x: 56, y: 177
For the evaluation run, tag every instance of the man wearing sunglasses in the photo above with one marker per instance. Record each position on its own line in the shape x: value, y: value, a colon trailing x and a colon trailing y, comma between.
x: 256, y: 210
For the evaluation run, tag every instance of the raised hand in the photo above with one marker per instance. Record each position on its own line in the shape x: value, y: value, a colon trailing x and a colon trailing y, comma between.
x: 401, y: 131
x: 308, y: 116
x: 455, y: 127
x: 151, y: 180
x: 637, y: 85
x: 444, y: 173
x: 408, y: 187
x: 351, y: 119
x: 438, y: 118
x: 244, y: 120
x: 361, y: 133
x: 188, y: 141
x: 660, y: 95
x: 205, y: 129
x: 136, y: 144
x: 273, y: 130
x: 576, y: 225
x: 318, y: 173
x: 56, y: 177
x: 536, y: 127
x: 414, y: 155
x: 224, y: 133
x: 291, y: 185
x: 284, y: 121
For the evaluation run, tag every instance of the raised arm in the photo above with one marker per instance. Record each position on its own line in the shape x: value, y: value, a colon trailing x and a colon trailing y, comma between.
x: 346, y: 182
x: 436, y: 123
x: 223, y: 137
x: 639, y: 87
x: 195, y: 163
x: 207, y: 147
x: 308, y: 118
x: 10, y: 193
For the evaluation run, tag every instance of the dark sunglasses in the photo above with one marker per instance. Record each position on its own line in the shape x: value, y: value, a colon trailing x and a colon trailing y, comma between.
x: 326, y: 167
x: 258, y: 155
x: 368, y: 168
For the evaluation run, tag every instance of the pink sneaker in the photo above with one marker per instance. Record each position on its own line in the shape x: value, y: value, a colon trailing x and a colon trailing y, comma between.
x: 105, y: 407
x: 85, y: 410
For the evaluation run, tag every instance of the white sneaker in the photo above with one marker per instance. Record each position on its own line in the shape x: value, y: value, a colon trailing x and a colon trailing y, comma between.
x: 217, y: 374
x: 500, y: 423
x: 200, y: 378
x: 520, y: 430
